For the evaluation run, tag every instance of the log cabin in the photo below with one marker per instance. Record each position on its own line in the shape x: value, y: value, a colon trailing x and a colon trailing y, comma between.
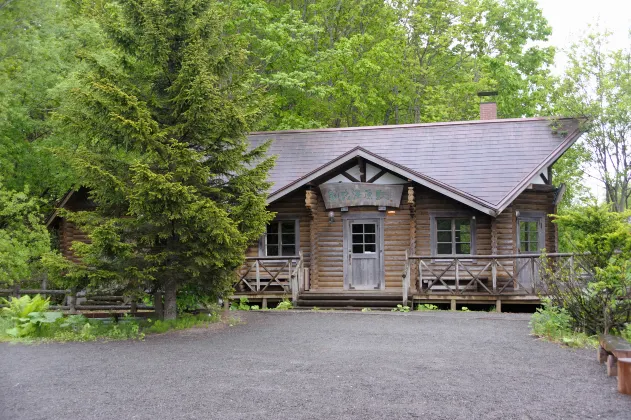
x: 448, y: 213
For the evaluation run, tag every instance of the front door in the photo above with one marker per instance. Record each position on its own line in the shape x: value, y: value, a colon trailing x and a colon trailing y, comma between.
x: 363, y: 262
x: 530, y: 241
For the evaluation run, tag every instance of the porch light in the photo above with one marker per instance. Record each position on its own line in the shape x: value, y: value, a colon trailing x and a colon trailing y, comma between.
x: 331, y: 216
x: 391, y: 212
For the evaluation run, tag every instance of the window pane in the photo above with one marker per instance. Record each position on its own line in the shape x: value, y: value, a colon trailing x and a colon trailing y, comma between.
x: 463, y: 249
x: 370, y: 247
x: 358, y: 228
x: 358, y: 239
x: 443, y: 249
x: 463, y: 225
x: 369, y: 228
x: 272, y: 227
x: 533, y: 236
x: 289, y: 249
x: 358, y: 249
x: 272, y: 239
x: 369, y: 238
x: 463, y: 237
x: 443, y: 224
x: 272, y: 250
x: 288, y: 239
x: 443, y: 236
x: 288, y: 226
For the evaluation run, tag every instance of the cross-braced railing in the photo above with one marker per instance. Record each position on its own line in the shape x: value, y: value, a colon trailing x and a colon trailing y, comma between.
x: 487, y: 274
x: 271, y: 275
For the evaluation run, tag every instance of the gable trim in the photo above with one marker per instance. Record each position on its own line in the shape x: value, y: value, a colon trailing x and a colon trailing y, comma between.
x: 424, y: 180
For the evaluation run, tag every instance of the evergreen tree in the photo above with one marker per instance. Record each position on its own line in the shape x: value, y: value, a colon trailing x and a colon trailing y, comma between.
x: 160, y: 120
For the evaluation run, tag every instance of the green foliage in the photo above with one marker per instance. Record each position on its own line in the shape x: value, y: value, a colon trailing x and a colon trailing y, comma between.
x: 182, y: 322
x: 24, y: 240
x: 284, y: 305
x: 160, y: 119
x: 366, y: 310
x: 555, y: 324
x: 597, y: 87
x: 255, y: 307
x: 401, y: 308
x: 465, y: 309
x: 364, y: 62
x: 595, y: 291
x: 427, y: 307
x: 27, y: 315
x: 626, y: 333
x: 241, y: 306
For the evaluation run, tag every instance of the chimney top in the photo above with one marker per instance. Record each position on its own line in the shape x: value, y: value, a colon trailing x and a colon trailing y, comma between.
x: 488, y: 109
x: 487, y: 93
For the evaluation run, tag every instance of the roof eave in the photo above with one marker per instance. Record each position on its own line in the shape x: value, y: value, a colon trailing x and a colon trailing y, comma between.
x: 553, y: 157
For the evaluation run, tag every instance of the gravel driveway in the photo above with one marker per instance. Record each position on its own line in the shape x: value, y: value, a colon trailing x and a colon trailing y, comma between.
x: 312, y: 365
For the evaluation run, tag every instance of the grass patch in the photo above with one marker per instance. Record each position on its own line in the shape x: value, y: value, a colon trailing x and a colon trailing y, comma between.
x: 28, y: 320
x: 554, y: 324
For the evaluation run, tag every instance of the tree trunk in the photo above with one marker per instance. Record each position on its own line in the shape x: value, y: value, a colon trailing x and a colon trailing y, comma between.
x: 170, y: 305
x: 158, y: 305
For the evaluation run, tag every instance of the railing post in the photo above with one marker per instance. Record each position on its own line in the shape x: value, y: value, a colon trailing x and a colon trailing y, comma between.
x: 293, y: 283
x: 406, y: 278
x: 420, y: 275
x: 494, y: 274
x: 258, y: 276
x: 457, y: 275
x: 533, y: 278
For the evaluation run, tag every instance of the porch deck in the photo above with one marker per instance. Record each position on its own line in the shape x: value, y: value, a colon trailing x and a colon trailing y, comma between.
x: 481, y: 279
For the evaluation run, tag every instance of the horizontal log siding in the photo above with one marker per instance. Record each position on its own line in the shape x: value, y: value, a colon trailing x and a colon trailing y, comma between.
x: 396, y: 242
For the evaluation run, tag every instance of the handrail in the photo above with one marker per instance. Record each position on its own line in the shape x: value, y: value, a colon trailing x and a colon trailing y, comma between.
x: 259, y: 273
x: 486, y: 274
x: 491, y: 256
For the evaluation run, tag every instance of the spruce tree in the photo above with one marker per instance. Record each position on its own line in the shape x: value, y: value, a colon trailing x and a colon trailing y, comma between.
x: 160, y: 120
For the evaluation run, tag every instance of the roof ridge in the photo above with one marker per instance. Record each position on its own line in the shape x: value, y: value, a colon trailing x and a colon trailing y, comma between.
x: 433, y: 124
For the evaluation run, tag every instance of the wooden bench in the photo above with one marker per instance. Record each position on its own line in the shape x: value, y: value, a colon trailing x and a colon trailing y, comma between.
x: 610, y: 350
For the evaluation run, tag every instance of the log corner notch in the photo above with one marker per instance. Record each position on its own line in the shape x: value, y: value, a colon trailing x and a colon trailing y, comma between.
x: 311, y: 203
x: 412, y: 250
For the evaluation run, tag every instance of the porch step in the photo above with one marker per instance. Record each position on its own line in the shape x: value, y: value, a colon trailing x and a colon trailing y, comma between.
x: 351, y: 300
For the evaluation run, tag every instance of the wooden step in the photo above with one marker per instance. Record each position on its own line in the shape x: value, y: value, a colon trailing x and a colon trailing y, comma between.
x: 347, y: 303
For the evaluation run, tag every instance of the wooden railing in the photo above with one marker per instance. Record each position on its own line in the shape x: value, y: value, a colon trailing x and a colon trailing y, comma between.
x: 261, y: 275
x: 513, y: 274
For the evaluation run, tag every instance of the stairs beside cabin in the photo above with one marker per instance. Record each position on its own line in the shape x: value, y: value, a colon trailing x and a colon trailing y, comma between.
x: 349, y: 300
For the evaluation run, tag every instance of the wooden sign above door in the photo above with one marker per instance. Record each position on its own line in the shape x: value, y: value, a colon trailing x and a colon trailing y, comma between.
x: 355, y: 194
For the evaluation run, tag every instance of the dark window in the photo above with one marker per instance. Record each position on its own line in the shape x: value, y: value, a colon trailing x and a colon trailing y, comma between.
x: 281, y: 238
x: 453, y: 236
x: 528, y: 236
x: 364, y: 240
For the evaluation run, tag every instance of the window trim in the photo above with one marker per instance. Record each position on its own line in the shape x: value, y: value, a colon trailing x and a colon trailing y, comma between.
x: 434, y: 233
x: 263, y: 239
x: 531, y: 216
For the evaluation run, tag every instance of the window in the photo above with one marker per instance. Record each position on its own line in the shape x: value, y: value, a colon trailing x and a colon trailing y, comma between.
x: 281, y: 238
x: 528, y: 236
x: 364, y: 238
x: 453, y: 236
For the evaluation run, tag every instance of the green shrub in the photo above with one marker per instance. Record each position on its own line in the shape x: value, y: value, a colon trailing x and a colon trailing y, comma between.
x: 426, y: 307
x: 626, y: 333
x: 401, y: 308
x: 551, y: 322
x: 27, y: 316
x: 284, y: 305
x: 366, y: 310
x: 465, y: 309
x: 255, y: 307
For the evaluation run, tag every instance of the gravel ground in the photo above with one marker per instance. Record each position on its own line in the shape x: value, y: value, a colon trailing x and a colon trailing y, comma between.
x: 314, y: 365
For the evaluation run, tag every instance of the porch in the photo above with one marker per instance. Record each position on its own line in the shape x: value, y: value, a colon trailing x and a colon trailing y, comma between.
x: 471, y: 279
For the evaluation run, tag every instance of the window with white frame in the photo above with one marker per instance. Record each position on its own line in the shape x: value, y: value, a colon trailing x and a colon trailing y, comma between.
x: 281, y: 238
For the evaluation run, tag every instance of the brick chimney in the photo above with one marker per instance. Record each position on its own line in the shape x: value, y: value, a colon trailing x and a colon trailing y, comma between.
x: 488, y: 109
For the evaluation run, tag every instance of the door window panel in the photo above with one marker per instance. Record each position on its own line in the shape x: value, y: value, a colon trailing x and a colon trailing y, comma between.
x: 364, y: 238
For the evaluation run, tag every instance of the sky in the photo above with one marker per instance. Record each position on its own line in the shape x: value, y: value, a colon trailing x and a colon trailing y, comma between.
x: 570, y: 19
